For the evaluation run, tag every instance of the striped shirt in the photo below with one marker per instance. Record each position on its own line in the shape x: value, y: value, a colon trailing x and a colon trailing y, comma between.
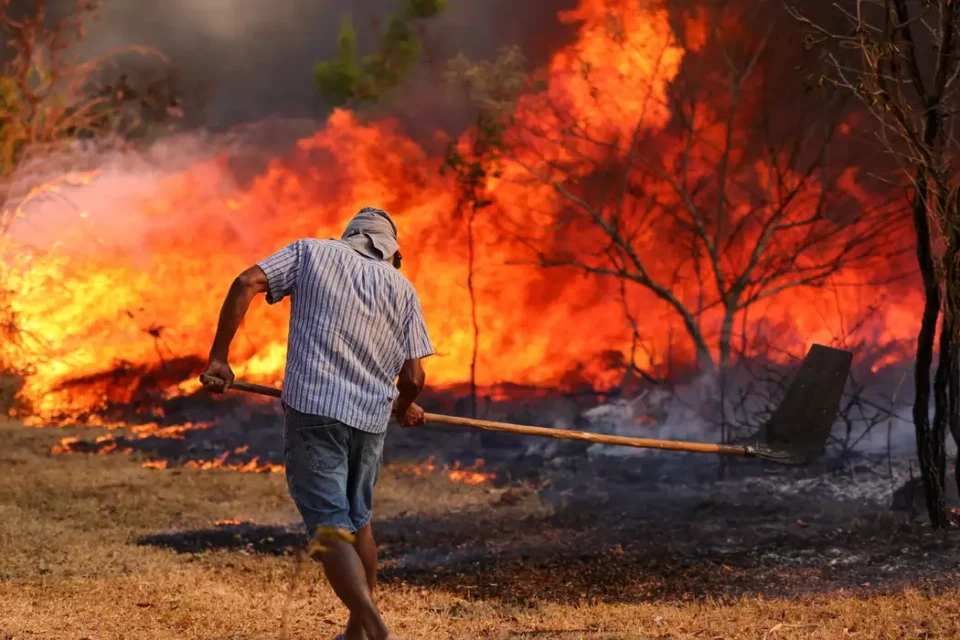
x: 353, y: 323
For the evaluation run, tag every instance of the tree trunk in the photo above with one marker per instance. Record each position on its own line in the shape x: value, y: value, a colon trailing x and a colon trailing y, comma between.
x: 705, y: 361
x: 927, y: 450
x: 943, y: 401
x: 726, y: 338
x: 950, y: 338
x: 930, y: 439
x: 473, y: 311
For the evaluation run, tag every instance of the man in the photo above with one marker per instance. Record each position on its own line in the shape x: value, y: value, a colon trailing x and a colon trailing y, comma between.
x: 355, y: 327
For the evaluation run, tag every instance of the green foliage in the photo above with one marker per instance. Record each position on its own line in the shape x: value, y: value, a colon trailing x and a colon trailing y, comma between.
x: 493, y: 87
x: 422, y: 9
x: 339, y: 79
x: 352, y: 79
x: 481, y: 161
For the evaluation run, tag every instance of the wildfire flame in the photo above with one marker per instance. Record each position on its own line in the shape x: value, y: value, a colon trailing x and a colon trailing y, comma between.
x: 65, y: 446
x: 469, y: 475
x: 422, y: 469
x: 109, y: 443
x: 135, y: 272
x: 252, y: 466
x: 228, y: 522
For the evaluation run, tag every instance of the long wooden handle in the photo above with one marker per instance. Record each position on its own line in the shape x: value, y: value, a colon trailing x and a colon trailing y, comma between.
x: 255, y: 388
x: 598, y: 438
x: 566, y: 434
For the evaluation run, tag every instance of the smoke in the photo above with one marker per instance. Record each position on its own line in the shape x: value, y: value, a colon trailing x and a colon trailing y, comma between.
x: 94, y: 198
x: 247, y: 60
x: 874, y: 418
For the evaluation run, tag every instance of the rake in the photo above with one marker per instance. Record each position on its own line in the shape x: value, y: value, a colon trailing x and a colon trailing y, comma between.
x: 795, y: 434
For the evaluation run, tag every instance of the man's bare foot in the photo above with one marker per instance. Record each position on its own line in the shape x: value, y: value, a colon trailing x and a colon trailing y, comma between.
x: 363, y: 636
x: 354, y: 631
x: 390, y: 636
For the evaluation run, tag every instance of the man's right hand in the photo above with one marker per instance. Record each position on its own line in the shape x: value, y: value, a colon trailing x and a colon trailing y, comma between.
x: 412, y: 417
x: 221, y: 370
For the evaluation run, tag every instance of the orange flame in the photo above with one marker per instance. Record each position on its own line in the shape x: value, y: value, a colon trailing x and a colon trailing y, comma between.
x: 107, y: 441
x: 469, y: 475
x: 253, y: 466
x: 65, y: 445
x: 139, y: 278
x: 423, y: 469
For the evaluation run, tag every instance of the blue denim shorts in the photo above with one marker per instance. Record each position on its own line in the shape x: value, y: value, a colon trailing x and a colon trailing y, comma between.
x: 331, y: 470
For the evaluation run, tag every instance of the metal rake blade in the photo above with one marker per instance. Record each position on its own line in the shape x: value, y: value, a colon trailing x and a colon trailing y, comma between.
x: 797, y: 432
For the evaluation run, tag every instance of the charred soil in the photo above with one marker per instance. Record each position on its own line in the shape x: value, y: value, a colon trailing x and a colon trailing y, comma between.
x: 561, y: 544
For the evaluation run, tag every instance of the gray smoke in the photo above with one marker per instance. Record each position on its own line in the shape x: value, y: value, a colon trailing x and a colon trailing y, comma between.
x: 255, y: 59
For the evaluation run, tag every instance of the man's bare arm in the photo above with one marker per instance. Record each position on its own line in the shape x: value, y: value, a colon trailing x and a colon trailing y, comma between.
x: 410, y: 383
x: 245, y: 287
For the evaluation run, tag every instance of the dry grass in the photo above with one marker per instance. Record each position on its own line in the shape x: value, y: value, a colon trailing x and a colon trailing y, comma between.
x: 71, y: 567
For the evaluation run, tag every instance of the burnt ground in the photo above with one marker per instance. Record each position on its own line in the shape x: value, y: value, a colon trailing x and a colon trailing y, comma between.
x: 612, y: 539
x: 626, y: 548
x: 570, y: 525
x: 624, y: 542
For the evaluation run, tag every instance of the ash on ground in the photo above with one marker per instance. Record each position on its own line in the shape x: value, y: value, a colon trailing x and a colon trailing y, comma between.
x: 575, y: 520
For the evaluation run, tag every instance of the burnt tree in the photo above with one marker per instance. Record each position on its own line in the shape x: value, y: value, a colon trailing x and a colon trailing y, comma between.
x: 712, y: 188
x: 900, y: 59
x: 47, y: 94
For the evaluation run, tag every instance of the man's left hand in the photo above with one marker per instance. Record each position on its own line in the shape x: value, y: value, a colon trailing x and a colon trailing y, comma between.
x: 412, y: 417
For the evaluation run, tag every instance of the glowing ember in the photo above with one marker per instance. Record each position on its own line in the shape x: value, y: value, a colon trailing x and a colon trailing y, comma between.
x: 101, y: 446
x: 108, y: 442
x: 469, y: 475
x: 422, y: 469
x: 253, y: 466
x: 75, y: 445
x: 65, y: 446
x: 229, y: 522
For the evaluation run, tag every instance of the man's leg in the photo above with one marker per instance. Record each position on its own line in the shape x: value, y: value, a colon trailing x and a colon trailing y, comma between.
x: 366, y: 548
x: 366, y: 450
x: 316, y: 454
x: 346, y: 574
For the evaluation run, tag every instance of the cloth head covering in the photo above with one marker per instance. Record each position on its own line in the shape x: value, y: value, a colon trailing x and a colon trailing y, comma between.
x: 372, y: 233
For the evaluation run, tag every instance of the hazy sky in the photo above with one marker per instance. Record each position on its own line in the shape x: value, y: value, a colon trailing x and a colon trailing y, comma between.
x: 257, y: 56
